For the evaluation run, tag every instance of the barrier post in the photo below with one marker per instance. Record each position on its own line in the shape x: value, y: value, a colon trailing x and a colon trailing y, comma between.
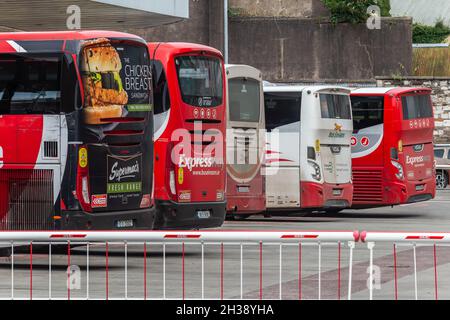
x: 370, y: 245
x: 351, y: 245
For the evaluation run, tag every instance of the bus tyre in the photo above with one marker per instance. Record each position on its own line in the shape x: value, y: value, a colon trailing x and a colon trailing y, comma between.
x: 441, y: 180
x: 241, y: 217
x: 333, y: 211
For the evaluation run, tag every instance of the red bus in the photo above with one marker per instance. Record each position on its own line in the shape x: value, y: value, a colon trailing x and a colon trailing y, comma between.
x: 392, y: 146
x: 245, y: 141
x: 190, y: 104
x: 76, y: 128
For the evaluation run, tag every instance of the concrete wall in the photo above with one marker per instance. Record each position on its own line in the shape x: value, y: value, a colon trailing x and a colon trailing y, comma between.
x: 440, y: 96
x: 278, y: 8
x: 290, y: 50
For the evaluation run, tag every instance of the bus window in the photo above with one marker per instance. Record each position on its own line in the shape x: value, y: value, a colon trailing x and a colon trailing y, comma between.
x: 439, y: 153
x: 161, y: 91
x: 70, y: 87
x: 30, y: 84
x: 282, y: 109
x: 200, y: 80
x: 244, y: 95
x: 416, y: 107
x: 335, y: 106
x: 367, y: 112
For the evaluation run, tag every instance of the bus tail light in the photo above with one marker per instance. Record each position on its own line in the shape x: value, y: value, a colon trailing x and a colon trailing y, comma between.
x: 400, y: 174
x: 83, y: 192
x: 85, y: 189
x: 172, y: 182
x: 170, y: 173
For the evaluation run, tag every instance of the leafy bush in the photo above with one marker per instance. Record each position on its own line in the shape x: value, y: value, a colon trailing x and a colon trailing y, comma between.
x: 427, y: 34
x: 354, y: 11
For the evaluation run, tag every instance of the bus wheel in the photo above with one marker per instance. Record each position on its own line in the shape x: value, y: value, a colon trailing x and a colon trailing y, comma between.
x: 441, y: 180
x: 333, y: 211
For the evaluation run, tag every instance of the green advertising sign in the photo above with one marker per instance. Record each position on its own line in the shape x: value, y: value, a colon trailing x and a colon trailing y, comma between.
x: 124, y: 187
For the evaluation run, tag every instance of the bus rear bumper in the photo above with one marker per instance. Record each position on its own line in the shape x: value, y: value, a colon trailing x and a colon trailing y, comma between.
x: 246, y: 204
x: 171, y: 215
x: 326, y: 195
x: 141, y: 219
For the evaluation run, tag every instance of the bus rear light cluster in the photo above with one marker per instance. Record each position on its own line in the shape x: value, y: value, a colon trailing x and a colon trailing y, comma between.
x: 172, y: 186
x: 400, y: 174
x: 316, y: 174
x: 85, y: 190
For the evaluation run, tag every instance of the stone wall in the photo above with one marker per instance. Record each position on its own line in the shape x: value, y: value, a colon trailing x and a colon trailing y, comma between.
x: 293, y: 49
x: 278, y: 8
x: 440, y: 96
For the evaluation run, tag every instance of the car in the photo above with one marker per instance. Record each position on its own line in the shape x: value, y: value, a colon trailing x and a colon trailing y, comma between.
x: 442, y: 158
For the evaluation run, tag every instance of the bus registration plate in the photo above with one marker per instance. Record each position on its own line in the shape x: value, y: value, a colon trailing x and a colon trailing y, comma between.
x: 124, y: 223
x: 203, y: 214
x: 243, y: 189
x: 420, y: 187
x: 337, y: 192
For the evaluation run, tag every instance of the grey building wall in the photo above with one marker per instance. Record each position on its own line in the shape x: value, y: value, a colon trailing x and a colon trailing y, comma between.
x: 205, y: 26
x: 294, y: 49
x: 279, y: 8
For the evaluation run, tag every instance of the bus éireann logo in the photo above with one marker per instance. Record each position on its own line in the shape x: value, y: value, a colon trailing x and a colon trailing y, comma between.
x: 337, y: 133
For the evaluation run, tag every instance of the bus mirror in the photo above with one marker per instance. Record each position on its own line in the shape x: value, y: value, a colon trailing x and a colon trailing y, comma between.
x: 311, y: 153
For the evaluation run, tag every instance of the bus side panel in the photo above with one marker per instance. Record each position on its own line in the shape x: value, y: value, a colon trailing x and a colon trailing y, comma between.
x: 282, y: 172
x: 282, y: 187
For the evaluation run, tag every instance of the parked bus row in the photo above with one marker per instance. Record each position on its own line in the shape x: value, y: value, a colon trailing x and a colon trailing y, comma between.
x: 101, y: 130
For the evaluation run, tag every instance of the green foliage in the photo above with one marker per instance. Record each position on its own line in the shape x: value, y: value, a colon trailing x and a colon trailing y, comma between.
x: 427, y: 34
x: 354, y: 11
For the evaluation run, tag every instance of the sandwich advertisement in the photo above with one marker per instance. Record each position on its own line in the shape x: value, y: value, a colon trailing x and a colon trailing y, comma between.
x: 117, y: 105
x: 116, y: 81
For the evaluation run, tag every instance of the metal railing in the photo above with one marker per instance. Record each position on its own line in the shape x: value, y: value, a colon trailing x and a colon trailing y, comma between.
x: 273, y: 260
x: 223, y: 265
x: 417, y: 244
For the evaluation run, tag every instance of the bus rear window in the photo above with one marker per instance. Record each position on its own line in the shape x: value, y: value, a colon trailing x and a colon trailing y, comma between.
x: 200, y: 80
x: 367, y: 112
x: 282, y: 109
x: 335, y: 106
x: 244, y: 99
x: 30, y: 84
x: 439, y: 153
x: 417, y: 107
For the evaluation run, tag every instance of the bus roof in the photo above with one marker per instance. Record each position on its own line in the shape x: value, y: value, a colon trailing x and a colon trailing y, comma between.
x: 243, y: 70
x: 388, y: 90
x: 65, y: 35
x: 296, y: 88
x: 175, y: 48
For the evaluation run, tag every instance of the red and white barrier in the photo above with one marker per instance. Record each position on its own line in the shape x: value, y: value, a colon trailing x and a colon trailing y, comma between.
x: 399, y: 237
x: 408, y: 239
x: 222, y: 242
x: 180, y: 236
